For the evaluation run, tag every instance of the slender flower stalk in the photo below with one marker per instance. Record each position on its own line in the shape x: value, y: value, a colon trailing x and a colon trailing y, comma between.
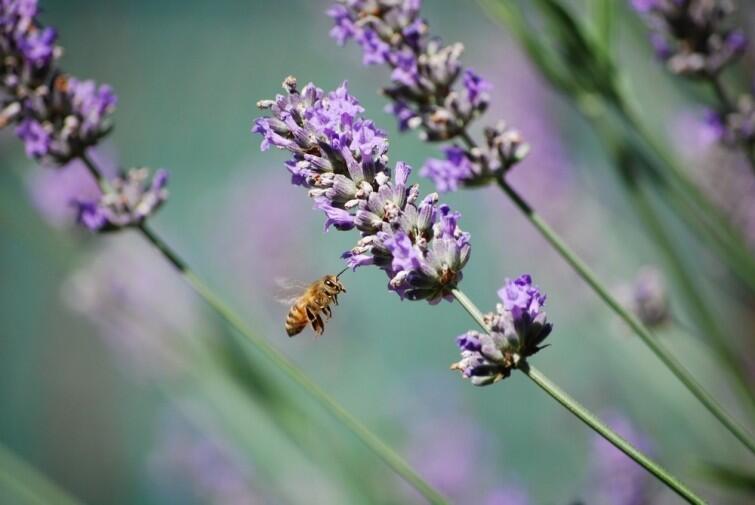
x: 59, y: 117
x: 520, y: 301
x: 27, y: 484
x: 372, y: 441
x: 655, y: 345
x: 389, y: 22
x: 325, y: 135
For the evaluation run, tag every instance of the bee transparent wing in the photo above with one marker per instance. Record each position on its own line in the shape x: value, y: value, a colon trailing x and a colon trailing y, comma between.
x: 288, y: 291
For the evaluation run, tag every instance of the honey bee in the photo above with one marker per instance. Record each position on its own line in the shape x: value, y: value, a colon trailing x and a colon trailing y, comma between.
x: 316, y: 299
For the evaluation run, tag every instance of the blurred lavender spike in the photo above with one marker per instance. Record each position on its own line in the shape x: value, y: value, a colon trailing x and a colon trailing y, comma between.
x: 129, y: 200
x: 57, y: 116
x: 694, y: 37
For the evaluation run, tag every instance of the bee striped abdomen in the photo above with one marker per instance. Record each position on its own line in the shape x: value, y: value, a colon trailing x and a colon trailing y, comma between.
x: 297, y: 319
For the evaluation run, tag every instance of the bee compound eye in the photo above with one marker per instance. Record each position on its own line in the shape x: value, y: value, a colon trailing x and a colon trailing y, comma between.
x: 329, y: 284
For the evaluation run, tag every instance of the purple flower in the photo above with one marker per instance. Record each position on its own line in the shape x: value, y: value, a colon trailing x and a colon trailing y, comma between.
x: 477, y: 89
x: 130, y: 200
x: 615, y: 478
x: 36, y: 138
x: 148, y: 318
x: 425, y: 92
x: 205, y: 463
x: 509, y: 495
x: 693, y: 36
x: 91, y: 103
x: 521, y: 298
x: 450, y: 173
x: 53, y: 191
x: 75, y: 114
x: 644, y: 6
x: 342, y: 159
x: 517, y: 329
x: 38, y: 46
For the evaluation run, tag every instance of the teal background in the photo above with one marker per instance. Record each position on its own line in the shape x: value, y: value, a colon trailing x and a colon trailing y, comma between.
x: 188, y: 75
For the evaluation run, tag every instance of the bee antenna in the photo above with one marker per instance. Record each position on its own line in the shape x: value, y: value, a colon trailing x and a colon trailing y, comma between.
x: 342, y: 271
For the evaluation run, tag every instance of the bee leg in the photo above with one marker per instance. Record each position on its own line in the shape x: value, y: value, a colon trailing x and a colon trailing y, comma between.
x: 326, y: 310
x: 316, y: 321
x: 335, y: 298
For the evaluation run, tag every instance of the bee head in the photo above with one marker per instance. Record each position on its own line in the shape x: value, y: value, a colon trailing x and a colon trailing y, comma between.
x: 332, y: 282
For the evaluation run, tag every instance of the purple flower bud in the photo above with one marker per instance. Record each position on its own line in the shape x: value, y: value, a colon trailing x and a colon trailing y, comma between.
x: 131, y: 199
x: 36, y: 138
x: 517, y: 330
x: 477, y: 89
x: 449, y: 174
x: 38, y: 46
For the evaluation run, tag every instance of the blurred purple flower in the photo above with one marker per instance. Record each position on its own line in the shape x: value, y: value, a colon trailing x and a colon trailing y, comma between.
x: 130, y: 200
x: 204, y: 463
x: 53, y: 192
x: 36, y: 138
x: 517, y: 329
x: 145, y: 313
x: 453, y: 452
x: 614, y: 477
x: 647, y: 297
x: 724, y: 175
x: 58, y: 116
x: 510, y: 495
x: 342, y: 159
x: 693, y: 36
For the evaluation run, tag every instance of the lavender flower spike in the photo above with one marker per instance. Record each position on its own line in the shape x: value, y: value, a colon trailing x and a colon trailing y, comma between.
x: 342, y: 159
x: 694, y: 37
x: 518, y: 327
x: 430, y: 89
x: 128, y: 203
x: 57, y: 116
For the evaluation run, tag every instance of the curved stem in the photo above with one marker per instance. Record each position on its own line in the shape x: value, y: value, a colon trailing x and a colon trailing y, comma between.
x: 28, y: 484
x: 587, y: 417
x: 369, y: 439
x: 653, y: 343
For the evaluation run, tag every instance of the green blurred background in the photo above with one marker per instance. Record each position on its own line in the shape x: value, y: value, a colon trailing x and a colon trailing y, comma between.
x: 107, y: 359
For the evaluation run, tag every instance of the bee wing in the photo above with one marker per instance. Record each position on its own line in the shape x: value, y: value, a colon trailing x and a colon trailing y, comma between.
x: 288, y: 291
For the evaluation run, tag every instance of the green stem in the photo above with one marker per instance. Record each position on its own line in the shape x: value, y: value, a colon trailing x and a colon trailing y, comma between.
x: 602, y: 429
x: 372, y: 441
x: 653, y: 343
x: 28, y: 484
x: 587, y: 417
x: 697, y: 307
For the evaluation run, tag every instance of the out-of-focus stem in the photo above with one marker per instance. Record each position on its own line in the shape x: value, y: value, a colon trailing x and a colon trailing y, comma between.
x: 698, y: 309
x: 587, y: 417
x: 28, y: 484
x: 653, y: 343
x: 369, y: 439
